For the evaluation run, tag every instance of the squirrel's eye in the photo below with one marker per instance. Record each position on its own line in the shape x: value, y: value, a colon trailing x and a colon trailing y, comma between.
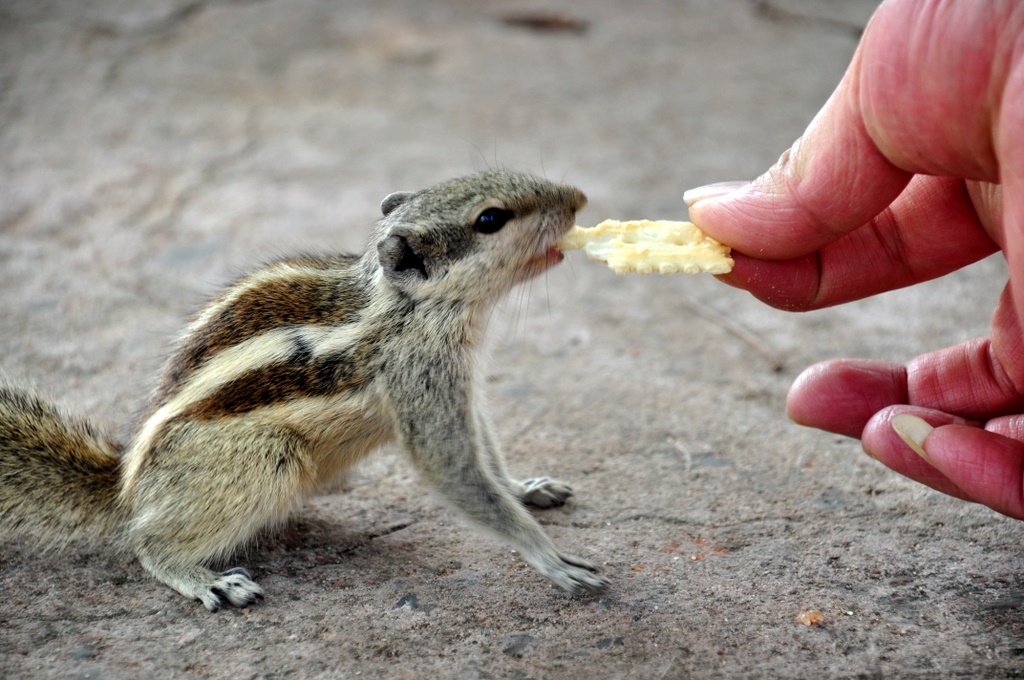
x: 492, y: 219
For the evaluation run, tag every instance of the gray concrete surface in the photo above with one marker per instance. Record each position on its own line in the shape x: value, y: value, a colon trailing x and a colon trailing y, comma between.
x: 152, y: 149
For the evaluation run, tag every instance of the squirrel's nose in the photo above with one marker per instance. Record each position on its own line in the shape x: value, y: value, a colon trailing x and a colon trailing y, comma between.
x: 577, y: 200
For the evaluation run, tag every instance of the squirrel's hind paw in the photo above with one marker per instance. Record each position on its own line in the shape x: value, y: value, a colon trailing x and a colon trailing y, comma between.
x: 234, y: 585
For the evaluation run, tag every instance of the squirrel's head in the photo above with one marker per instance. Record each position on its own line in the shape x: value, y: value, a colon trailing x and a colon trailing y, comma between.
x: 472, y: 239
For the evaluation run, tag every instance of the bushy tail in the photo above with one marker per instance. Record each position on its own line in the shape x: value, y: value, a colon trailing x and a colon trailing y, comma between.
x: 58, y: 476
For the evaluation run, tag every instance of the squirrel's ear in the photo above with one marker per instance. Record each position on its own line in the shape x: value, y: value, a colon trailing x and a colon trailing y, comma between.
x: 398, y: 256
x: 394, y: 200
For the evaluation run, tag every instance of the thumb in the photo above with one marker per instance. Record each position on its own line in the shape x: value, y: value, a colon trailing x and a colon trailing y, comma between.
x: 986, y: 467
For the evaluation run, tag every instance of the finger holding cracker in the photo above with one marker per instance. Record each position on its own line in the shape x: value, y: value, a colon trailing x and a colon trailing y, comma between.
x: 646, y: 246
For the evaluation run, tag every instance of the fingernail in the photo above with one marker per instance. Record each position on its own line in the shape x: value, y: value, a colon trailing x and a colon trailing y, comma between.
x: 691, y: 196
x: 913, y: 431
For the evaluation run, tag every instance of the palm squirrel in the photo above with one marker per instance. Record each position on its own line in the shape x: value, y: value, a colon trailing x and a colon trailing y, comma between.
x: 294, y: 373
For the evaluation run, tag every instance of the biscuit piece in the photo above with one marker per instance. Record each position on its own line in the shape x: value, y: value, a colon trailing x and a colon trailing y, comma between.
x: 646, y: 246
x: 811, y: 618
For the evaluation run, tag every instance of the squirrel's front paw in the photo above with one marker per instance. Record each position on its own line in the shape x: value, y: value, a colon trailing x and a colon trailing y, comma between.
x: 234, y: 585
x: 573, y: 574
x: 544, y: 492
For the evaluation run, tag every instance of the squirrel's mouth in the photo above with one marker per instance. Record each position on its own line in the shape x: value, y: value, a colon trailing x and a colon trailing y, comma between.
x: 553, y: 256
x: 541, y: 263
x: 549, y: 258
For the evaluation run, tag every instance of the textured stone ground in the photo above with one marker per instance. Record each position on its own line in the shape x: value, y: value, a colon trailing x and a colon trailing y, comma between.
x: 150, y: 150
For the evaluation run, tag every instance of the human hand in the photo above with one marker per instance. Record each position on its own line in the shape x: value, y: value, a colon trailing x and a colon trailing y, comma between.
x: 914, y: 168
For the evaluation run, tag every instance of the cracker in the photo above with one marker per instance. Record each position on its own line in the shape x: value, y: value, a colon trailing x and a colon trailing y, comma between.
x: 645, y: 247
